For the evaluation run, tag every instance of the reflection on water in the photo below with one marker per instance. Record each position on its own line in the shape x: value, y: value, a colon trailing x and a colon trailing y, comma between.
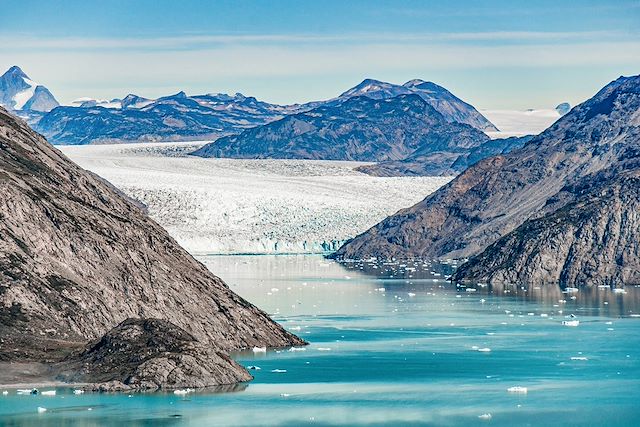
x: 397, y: 344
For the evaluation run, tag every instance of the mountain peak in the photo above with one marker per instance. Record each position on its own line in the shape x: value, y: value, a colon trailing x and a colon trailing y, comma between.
x: 15, y: 71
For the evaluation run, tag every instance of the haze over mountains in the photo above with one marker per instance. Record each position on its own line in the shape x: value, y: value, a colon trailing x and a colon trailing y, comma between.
x: 563, y: 208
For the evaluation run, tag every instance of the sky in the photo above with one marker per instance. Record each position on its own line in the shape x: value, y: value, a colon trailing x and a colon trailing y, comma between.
x: 495, y: 54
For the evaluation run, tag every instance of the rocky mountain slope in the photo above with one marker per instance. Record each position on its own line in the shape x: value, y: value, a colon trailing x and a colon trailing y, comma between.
x: 361, y: 129
x: 498, y: 195
x: 77, y: 258
x: 19, y: 92
x: 452, y: 108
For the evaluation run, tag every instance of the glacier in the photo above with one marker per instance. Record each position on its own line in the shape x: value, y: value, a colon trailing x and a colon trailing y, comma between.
x: 234, y: 206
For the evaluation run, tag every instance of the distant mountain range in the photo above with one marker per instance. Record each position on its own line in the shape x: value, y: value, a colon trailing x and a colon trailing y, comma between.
x: 561, y: 209
x: 405, y: 128
x: 181, y: 117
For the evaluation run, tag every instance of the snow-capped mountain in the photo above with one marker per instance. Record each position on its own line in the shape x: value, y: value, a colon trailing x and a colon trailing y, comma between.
x: 177, y: 117
x: 19, y: 93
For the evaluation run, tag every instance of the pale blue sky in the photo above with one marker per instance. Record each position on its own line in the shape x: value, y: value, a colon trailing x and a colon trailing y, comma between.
x: 494, y: 53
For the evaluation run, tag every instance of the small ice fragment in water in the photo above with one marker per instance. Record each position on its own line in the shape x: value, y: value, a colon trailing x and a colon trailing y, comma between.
x: 182, y: 392
x: 323, y: 349
x: 570, y: 322
x: 485, y: 416
x: 4, y: 393
x: 253, y: 368
x: 285, y: 394
x: 517, y: 389
x: 578, y: 358
x: 259, y: 349
x: 297, y: 349
x: 48, y: 393
x: 484, y: 350
x: 78, y: 391
x: 411, y: 294
x: 279, y: 371
x: 41, y: 409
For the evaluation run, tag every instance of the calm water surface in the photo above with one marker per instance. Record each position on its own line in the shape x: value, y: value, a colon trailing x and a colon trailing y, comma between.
x: 396, y: 344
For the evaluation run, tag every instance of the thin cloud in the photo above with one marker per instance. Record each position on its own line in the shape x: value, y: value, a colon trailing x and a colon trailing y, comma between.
x: 195, y: 42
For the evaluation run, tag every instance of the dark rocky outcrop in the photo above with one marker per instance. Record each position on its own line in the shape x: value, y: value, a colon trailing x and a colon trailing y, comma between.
x: 361, y: 129
x: 151, y: 354
x: 77, y: 258
x: 520, y: 196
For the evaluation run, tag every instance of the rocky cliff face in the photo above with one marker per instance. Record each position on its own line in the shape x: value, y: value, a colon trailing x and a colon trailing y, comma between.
x: 77, y: 258
x: 592, y: 240
x: 498, y: 195
x: 360, y: 129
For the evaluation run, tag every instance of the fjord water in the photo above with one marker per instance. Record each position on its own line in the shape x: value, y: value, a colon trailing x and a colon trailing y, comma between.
x: 395, y: 344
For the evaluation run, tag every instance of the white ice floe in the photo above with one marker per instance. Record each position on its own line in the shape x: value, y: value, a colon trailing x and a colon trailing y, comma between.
x: 48, y: 393
x: 484, y: 350
x: 517, y: 389
x: 323, y: 349
x: 297, y: 349
x: 279, y: 371
x: 485, y: 416
x: 253, y: 368
x: 571, y: 290
x: 411, y: 294
x: 578, y: 358
x: 184, y: 391
x: 571, y: 323
x: 259, y: 349
x: 41, y: 409
x: 78, y: 391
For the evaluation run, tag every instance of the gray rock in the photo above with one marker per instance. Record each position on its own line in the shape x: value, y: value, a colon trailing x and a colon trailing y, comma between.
x: 498, y: 195
x: 77, y: 258
x: 150, y: 354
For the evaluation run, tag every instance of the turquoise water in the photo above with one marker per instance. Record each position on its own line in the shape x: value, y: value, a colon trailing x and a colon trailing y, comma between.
x: 390, y: 345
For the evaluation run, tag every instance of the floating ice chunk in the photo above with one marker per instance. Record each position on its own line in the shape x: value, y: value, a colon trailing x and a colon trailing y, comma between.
x: 482, y: 301
x: 41, y: 409
x: 484, y: 350
x: 259, y: 349
x: 78, y: 391
x: 619, y: 291
x: 279, y: 371
x: 485, y: 416
x: 253, y: 368
x: 183, y: 391
x: 4, y: 393
x: 411, y: 294
x: 544, y: 315
x: 470, y: 290
x: 578, y: 358
x: 297, y: 349
x: 285, y: 394
x: 48, y: 393
x: 323, y: 349
x: 517, y: 389
x: 571, y: 322
x: 474, y: 347
x: 571, y: 290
